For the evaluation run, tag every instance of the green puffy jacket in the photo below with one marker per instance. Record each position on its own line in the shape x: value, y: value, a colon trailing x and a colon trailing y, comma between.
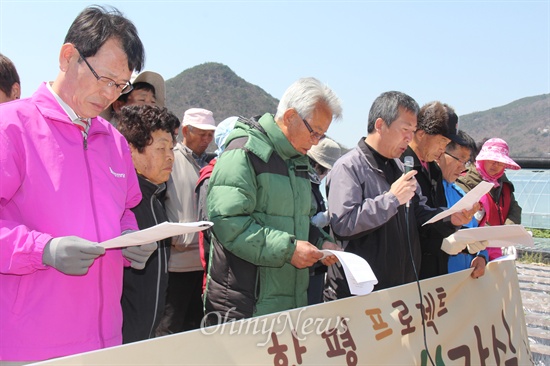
x: 259, y: 199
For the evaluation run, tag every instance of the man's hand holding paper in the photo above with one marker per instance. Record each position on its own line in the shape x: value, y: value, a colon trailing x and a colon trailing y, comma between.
x: 465, y: 216
x: 359, y: 274
x: 329, y: 260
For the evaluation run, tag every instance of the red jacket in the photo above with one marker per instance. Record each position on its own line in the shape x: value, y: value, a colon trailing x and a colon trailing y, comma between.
x: 204, y: 236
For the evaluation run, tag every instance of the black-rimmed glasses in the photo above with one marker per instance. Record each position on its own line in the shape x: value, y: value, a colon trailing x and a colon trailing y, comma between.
x: 122, y: 88
x: 466, y: 164
x: 312, y: 134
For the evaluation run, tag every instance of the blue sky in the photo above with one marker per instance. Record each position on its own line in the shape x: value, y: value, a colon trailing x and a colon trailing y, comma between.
x: 473, y: 55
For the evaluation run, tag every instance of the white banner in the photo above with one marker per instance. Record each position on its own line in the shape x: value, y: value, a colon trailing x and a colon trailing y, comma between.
x: 467, y: 322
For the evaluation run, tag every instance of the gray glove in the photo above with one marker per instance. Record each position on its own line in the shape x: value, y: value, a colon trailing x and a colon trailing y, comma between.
x: 477, y: 246
x: 139, y: 254
x: 71, y: 255
x: 321, y: 219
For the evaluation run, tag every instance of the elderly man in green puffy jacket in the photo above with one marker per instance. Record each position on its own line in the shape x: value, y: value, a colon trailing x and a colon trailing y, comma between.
x: 259, y: 199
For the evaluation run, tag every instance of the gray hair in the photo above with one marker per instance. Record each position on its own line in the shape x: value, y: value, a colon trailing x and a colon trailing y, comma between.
x: 387, y: 105
x: 303, y: 96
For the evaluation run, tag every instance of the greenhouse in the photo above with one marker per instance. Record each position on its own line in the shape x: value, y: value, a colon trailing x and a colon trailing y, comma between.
x: 532, y: 191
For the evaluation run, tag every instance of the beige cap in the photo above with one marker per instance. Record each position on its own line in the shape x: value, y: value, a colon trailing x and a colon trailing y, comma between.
x: 200, y: 118
x: 155, y: 79
x: 326, y: 152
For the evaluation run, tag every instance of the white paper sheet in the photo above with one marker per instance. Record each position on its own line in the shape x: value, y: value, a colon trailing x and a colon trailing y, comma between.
x: 465, y: 203
x: 154, y: 233
x: 497, y: 236
x: 361, y: 279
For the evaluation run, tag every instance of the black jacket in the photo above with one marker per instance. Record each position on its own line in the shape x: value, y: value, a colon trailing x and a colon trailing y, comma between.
x: 434, y: 260
x: 373, y: 223
x: 319, y: 202
x: 144, y: 291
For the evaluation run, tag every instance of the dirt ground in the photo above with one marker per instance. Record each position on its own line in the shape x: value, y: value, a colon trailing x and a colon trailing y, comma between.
x: 534, y: 283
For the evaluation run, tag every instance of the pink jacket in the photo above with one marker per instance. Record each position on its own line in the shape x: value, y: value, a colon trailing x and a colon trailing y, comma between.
x: 51, y: 186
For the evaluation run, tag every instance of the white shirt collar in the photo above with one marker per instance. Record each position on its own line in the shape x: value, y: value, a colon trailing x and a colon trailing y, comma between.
x: 70, y: 112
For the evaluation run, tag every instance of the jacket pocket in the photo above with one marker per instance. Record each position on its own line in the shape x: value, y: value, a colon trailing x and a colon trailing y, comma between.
x: 21, y: 291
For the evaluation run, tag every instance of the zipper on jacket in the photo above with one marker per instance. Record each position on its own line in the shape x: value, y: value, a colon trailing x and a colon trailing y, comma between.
x: 100, y: 263
x: 160, y: 260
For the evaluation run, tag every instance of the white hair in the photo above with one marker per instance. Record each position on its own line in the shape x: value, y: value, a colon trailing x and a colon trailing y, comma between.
x: 303, y: 96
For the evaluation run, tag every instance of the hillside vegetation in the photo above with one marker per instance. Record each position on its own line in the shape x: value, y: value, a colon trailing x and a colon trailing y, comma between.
x: 524, y: 123
x: 216, y: 87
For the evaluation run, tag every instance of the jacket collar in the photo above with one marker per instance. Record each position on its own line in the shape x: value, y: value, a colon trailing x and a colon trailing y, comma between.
x: 369, y: 156
x: 149, y: 188
x: 280, y: 142
x: 268, y: 137
x: 50, y: 108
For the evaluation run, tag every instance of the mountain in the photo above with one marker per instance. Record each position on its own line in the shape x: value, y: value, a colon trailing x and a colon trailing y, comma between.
x: 216, y: 87
x: 524, y: 124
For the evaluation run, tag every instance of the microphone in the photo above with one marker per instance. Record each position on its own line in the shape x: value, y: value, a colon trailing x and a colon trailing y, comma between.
x: 409, y: 163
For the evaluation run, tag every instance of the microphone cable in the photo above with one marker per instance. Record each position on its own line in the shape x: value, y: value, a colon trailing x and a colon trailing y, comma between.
x: 418, y: 286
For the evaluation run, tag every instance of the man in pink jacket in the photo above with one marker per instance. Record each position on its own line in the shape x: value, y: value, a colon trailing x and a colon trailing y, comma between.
x: 67, y: 182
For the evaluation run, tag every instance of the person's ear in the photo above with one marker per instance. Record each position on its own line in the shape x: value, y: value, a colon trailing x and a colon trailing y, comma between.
x: 378, y: 124
x: 15, y: 91
x: 68, y: 52
x: 288, y: 116
x: 184, y: 131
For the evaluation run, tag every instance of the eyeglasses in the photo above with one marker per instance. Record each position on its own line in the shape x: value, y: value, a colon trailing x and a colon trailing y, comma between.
x: 312, y: 134
x: 123, y: 88
x: 465, y: 164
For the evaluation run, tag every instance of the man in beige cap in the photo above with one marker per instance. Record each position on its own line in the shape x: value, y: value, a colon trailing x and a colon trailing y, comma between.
x: 184, y: 299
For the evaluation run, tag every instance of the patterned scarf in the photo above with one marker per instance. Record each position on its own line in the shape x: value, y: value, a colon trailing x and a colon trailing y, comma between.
x: 486, y: 177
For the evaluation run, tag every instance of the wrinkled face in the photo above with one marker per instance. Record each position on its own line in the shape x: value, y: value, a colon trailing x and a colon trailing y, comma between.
x: 493, y: 168
x: 80, y: 89
x: 141, y: 97
x: 197, y: 139
x: 298, y: 134
x: 431, y: 147
x: 454, y: 164
x: 395, y: 138
x: 155, y: 163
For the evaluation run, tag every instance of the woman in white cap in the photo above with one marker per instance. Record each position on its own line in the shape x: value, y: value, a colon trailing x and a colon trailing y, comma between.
x: 500, y: 205
x: 321, y: 158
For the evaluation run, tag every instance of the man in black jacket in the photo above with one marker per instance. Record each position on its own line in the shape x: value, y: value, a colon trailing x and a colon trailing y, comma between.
x: 437, y: 126
x: 376, y: 209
